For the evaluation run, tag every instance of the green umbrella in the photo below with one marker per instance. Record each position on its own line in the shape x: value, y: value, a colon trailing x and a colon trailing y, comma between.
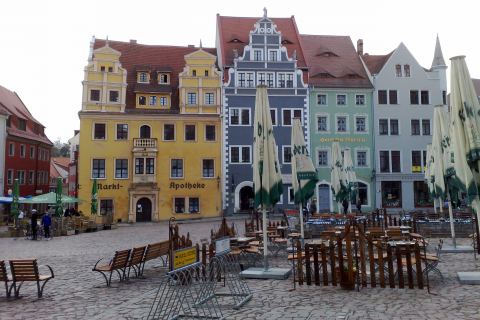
x: 304, y: 175
x: 94, y: 207
x: 58, y: 198
x: 337, y: 175
x: 50, y: 197
x: 16, y: 193
x: 465, y: 132
x: 267, y: 179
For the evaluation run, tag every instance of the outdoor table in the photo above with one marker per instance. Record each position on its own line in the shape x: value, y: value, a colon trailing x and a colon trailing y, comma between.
x: 282, y: 230
x: 294, y: 235
x: 243, y: 239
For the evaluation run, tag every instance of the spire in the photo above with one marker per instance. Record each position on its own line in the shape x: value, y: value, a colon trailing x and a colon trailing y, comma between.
x: 264, y: 12
x: 438, y: 56
x: 201, y: 44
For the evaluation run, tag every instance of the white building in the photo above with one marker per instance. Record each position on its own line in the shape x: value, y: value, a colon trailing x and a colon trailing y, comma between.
x: 404, y: 97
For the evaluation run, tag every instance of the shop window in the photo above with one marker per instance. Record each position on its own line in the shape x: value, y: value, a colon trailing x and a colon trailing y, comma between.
x: 391, y: 194
x: 106, y: 206
x: 193, y: 205
x: 421, y: 196
x: 179, y: 205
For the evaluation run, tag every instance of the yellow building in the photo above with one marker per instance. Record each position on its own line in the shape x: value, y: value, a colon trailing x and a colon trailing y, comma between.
x: 155, y: 146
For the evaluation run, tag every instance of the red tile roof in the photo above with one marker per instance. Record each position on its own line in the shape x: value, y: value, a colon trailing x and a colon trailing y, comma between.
x: 333, y: 62
x: 375, y: 63
x: 234, y: 33
x: 61, y: 161
x: 11, y: 104
x: 155, y: 58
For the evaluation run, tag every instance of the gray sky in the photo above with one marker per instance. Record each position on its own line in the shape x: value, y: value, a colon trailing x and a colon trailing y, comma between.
x: 44, y: 44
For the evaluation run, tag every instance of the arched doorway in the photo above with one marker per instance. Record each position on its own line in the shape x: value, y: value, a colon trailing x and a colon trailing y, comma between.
x: 143, y: 210
x: 144, y: 132
x: 246, y: 195
x: 323, y: 203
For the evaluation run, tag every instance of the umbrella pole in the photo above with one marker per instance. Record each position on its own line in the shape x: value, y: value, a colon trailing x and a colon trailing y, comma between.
x: 265, y: 251
x: 301, y: 220
x: 450, y: 214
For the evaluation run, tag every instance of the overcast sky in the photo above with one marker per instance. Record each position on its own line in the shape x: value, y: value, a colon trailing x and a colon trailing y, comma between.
x: 44, y: 44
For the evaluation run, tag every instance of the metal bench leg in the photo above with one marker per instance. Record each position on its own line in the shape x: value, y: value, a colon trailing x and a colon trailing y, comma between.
x: 41, y: 288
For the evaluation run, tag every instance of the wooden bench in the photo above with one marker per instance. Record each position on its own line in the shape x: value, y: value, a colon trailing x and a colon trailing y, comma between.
x: 27, y: 270
x: 118, y: 264
x: 136, y: 260
x: 4, y: 277
x: 154, y: 251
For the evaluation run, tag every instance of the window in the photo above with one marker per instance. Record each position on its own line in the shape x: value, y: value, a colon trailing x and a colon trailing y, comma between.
x: 31, y: 177
x: 193, y: 205
x: 273, y: 116
x: 384, y: 161
x: 287, y: 154
x: 122, y: 131
x: 149, y: 165
x: 21, y: 176
x: 22, y: 124
x: 206, y: 73
x: 106, y: 206
x: 290, y: 114
x: 398, y: 70
x: 392, y: 95
x: 394, y: 127
x: 360, y: 124
x: 191, y: 98
x: 361, y: 158
x: 250, y: 81
x: 272, y: 55
x: 163, y: 101
x: 99, y: 131
x: 22, y: 151
x: 322, y: 123
x: 153, y: 101
x: 415, y: 125
x: 240, y: 116
x: 270, y: 80
x: 426, y: 127
x: 363, y: 193
x: 94, y: 95
x: 9, y: 176
x: 395, y: 161
x: 98, y: 168
x: 342, y: 124
x: 322, y: 99
x: 142, y: 100
x: 281, y: 80
x: 416, y: 161
x: 210, y: 133
x: 257, y: 55
x: 322, y: 158
x: 190, y: 132
x: 208, y: 168
x: 168, y: 132
x: 113, y: 96
x: 194, y: 72
x: 444, y: 97
x: 241, y: 79
x: 392, y: 194
x: 261, y: 78
x: 289, y: 80
x: 139, y: 166
x: 240, y: 154
x: 291, y: 195
x: 11, y: 149
x: 143, y: 77
x: 341, y: 99
x: 424, y: 97
x: 382, y: 96
x: 145, y: 132
x: 209, y: 98
x: 163, y: 78
x: 102, y: 68
x: 421, y: 196
x: 359, y: 99
x: 406, y: 70
x: 110, y: 69
x: 121, y: 168
x: 176, y: 169
x: 179, y: 205
x: 413, y: 96
x: 32, y: 152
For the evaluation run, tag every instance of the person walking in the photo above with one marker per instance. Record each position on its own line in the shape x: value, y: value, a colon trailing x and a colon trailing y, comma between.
x: 46, y: 222
x: 359, y: 206
x: 345, y: 206
x: 33, y: 222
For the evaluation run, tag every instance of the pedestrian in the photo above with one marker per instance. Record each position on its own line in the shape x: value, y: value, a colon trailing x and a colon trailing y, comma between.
x: 46, y: 222
x: 33, y: 221
x: 345, y: 206
x: 359, y: 206
x: 313, y: 207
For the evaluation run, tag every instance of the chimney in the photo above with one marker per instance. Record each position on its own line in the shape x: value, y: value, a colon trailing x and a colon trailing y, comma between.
x: 133, y: 41
x: 191, y: 46
x: 360, y: 47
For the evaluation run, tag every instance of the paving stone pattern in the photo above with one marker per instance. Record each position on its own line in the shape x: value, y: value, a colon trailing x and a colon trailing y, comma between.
x: 78, y: 293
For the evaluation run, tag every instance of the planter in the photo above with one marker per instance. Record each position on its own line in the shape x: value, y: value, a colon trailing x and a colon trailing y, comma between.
x: 70, y: 232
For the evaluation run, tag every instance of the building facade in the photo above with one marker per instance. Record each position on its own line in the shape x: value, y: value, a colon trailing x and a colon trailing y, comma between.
x: 251, y: 52
x: 150, y: 136
x: 404, y: 97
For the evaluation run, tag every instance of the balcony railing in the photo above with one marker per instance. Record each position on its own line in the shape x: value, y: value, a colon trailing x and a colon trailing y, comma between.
x: 144, y: 143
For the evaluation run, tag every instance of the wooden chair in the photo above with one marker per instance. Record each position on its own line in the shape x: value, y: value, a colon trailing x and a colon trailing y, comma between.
x: 117, y: 264
x: 4, y: 277
x: 135, y: 261
x: 27, y: 270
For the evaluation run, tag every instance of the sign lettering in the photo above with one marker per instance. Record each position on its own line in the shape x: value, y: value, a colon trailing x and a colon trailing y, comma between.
x: 184, y: 257
x: 222, y: 245
x: 343, y: 140
x: 187, y: 185
x: 111, y: 186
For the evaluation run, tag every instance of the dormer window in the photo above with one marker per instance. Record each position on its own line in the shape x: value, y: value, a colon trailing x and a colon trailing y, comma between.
x: 163, y: 78
x: 398, y: 70
x: 406, y: 70
x: 272, y: 55
x: 143, y: 77
x: 194, y: 72
x: 22, y: 124
x: 257, y: 55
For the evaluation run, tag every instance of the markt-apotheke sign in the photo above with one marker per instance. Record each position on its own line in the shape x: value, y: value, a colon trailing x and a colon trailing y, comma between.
x: 187, y: 185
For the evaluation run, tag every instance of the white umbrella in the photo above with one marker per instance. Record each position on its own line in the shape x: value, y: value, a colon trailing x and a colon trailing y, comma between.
x: 429, y: 176
x: 350, y: 175
x: 337, y: 175
x: 465, y: 133
x: 267, y: 178
x: 304, y: 175
x: 441, y: 163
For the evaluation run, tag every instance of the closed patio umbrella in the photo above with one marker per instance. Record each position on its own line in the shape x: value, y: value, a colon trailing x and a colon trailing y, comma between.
x: 350, y: 176
x: 304, y: 175
x: 58, y: 198
x: 267, y: 178
x: 429, y: 176
x: 94, y: 204
x: 14, y: 210
x: 337, y: 175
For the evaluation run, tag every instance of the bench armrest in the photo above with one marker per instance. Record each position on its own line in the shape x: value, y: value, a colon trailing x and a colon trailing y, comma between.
x: 51, y: 270
x: 95, y: 266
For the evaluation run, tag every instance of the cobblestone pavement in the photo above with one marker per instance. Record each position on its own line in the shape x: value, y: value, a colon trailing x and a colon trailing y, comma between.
x: 78, y: 293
